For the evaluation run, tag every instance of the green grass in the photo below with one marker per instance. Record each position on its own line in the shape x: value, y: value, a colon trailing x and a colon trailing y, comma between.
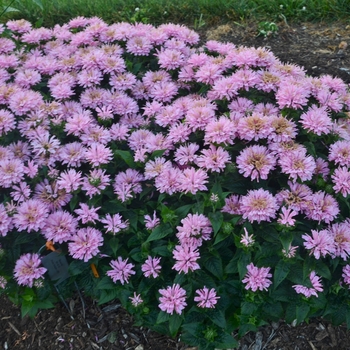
x: 189, y: 12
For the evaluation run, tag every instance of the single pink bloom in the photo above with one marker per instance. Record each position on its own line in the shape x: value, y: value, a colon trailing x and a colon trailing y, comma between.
x: 27, y: 269
x: 206, y: 298
x: 121, y: 270
x: 151, y: 267
x: 173, y: 299
x: 257, y: 278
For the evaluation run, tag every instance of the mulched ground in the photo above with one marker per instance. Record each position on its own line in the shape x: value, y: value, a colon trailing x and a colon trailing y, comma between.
x: 321, y: 49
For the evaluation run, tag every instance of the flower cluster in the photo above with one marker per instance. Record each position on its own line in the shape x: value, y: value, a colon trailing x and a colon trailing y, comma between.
x: 133, y: 149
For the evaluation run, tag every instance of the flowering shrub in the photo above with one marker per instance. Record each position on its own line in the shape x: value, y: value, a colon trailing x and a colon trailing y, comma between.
x: 205, y: 187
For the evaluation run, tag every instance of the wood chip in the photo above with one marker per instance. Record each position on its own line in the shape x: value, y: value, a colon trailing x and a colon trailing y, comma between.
x: 312, y: 345
x: 14, y: 328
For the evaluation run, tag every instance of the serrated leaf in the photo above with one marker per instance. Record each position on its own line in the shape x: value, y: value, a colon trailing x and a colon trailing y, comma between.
x: 301, y: 312
x: 214, y: 265
x: 281, y: 272
x: 227, y: 341
x: 127, y: 157
x: 242, y: 264
x: 159, y: 232
x: 106, y: 283
x: 107, y: 295
x: 175, y: 322
x: 218, y: 317
x: 323, y: 270
x: 216, y: 220
x: 162, y: 317
x: 183, y: 210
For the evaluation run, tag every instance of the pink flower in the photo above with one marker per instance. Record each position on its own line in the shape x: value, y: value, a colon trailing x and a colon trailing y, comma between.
x: 341, y: 236
x: 98, y: 154
x: 186, y: 257
x: 31, y: 215
x: 60, y: 226
x: 139, y: 45
x: 297, y: 198
x: 151, y: 267
x: 11, y: 172
x: 27, y: 269
x: 168, y: 180
x: 136, y: 300
x: 21, y: 192
x: 316, y: 120
x: 254, y: 127
x: 206, y: 298
x: 320, y: 243
x: 194, y: 229
x: 341, y: 180
x: 232, y: 205
x: 173, y: 299
x: 186, y: 154
x: 219, y: 131
x: 84, y: 244
x: 69, y: 180
x: 192, y: 180
x: 114, y: 223
x: 290, y: 251
x: 322, y: 207
x: 213, y: 159
x: 257, y: 278
x: 151, y: 223
x: 5, y: 221
x: 256, y: 162
x: 258, y: 205
x: 95, y: 182
x: 292, y: 95
x: 246, y: 239
x: 346, y: 274
x: 339, y: 152
x: 297, y: 164
x: 121, y: 270
x: 87, y: 214
x: 286, y: 217
x: 316, y: 286
x: 170, y: 59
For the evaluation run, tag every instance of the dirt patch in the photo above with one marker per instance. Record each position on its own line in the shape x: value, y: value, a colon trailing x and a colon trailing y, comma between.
x: 319, y: 48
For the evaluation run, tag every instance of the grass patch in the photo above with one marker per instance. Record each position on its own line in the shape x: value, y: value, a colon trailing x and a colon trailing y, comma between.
x: 190, y: 12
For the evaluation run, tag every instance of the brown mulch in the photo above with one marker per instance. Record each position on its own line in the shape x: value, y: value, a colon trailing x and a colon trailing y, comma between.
x: 321, y: 49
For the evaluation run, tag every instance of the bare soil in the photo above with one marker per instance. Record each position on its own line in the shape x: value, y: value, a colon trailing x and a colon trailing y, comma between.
x: 320, y: 48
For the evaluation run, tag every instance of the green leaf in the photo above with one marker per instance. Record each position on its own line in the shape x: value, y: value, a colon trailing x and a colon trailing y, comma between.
x: 227, y: 341
x: 159, y: 232
x: 216, y: 220
x: 183, y: 211
x: 106, y: 283
x: 162, y: 317
x: 323, y: 270
x: 281, y: 272
x: 242, y: 264
x: 127, y: 157
x: 220, y: 237
x: 301, y: 312
x: 107, y: 295
x: 175, y: 322
x: 76, y: 267
x: 9, y: 9
x: 218, y: 317
x: 347, y: 317
x: 114, y: 244
x: 39, y: 4
x: 214, y: 265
